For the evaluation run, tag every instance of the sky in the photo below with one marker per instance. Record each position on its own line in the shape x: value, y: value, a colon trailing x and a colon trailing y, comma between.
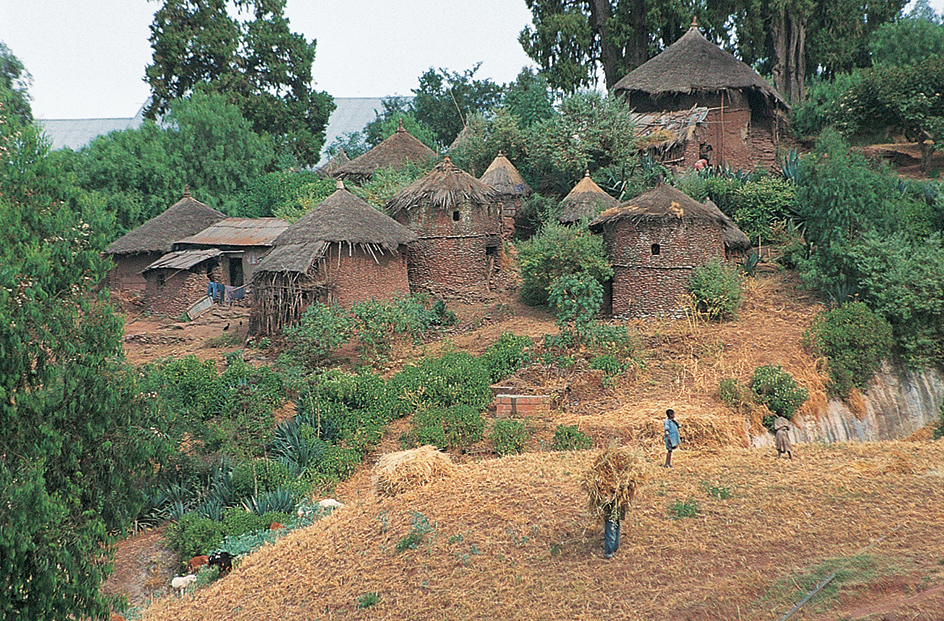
x: 87, y: 57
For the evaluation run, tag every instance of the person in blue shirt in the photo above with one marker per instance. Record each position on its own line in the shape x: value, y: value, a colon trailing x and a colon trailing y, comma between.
x: 671, y: 427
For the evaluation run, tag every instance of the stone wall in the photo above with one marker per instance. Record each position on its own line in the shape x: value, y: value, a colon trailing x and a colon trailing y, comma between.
x: 127, y: 271
x: 171, y: 293
x: 357, y: 277
x: 653, y: 262
x: 457, y: 250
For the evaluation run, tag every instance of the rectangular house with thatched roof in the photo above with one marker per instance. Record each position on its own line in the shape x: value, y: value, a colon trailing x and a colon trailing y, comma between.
x: 457, y: 219
x: 341, y: 252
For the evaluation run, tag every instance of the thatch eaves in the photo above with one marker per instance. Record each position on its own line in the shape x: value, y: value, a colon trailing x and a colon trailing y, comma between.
x: 444, y: 187
x: 396, y: 152
x: 735, y: 241
x: 186, y: 217
x: 585, y: 200
x: 345, y: 218
x: 661, y: 203
x: 328, y: 170
x: 502, y: 176
x: 288, y: 258
x: 695, y: 65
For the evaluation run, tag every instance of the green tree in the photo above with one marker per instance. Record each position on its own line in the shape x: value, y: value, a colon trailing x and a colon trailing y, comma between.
x: 529, y: 98
x: 909, y: 40
x: 73, y: 452
x: 445, y: 100
x: 487, y: 136
x: 14, y: 86
x: 206, y: 144
x: 263, y: 67
x: 556, y: 251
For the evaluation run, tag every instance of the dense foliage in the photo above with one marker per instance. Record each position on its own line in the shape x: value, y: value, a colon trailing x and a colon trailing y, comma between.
x: 716, y: 290
x: 775, y: 388
x: 854, y: 340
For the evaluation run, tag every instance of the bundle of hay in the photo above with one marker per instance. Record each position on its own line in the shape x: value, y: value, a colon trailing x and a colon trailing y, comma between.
x: 612, y: 480
x: 396, y: 473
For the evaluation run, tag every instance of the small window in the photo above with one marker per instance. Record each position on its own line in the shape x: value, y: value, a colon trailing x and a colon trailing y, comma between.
x: 161, y: 279
x: 655, y: 249
x: 455, y: 216
x: 491, y: 251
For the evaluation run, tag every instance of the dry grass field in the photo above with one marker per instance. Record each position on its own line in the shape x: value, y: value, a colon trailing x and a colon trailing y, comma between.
x: 729, y: 533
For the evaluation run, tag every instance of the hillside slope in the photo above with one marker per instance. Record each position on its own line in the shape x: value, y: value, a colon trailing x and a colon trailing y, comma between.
x: 510, y: 538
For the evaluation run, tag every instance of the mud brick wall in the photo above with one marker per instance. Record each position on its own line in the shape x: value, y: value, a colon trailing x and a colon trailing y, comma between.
x: 127, y: 271
x: 507, y: 405
x: 178, y: 293
x: 357, y: 277
x: 457, y: 248
x: 646, y: 283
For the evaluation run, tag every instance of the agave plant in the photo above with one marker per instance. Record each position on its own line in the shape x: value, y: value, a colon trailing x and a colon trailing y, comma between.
x: 280, y: 500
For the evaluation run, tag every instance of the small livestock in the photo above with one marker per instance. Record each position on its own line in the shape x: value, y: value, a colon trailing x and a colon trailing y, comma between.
x: 275, y: 526
x: 782, y: 437
x: 330, y: 503
x: 180, y: 583
x: 223, y: 560
x: 194, y: 564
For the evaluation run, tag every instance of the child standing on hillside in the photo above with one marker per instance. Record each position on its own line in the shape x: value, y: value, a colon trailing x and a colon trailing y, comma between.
x: 671, y: 435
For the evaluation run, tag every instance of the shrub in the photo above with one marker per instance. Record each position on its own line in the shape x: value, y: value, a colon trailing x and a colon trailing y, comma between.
x: 280, y: 500
x: 610, y: 365
x: 576, y: 300
x: 505, y: 356
x: 734, y: 394
x: 854, y: 340
x: 194, y: 535
x: 456, y: 427
x: 716, y: 290
x: 760, y: 203
x: 570, y: 438
x: 320, y: 332
x: 556, y: 251
x: 456, y: 378
x: 340, y: 462
x: 775, y: 388
x: 683, y: 509
x: 509, y: 436
x: 258, y: 476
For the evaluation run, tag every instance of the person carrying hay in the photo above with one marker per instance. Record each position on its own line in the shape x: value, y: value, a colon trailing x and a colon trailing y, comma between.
x: 610, y: 484
x: 671, y: 436
x: 782, y: 435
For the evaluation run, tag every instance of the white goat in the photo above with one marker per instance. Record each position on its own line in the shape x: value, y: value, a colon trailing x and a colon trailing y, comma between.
x: 180, y: 583
x: 330, y: 502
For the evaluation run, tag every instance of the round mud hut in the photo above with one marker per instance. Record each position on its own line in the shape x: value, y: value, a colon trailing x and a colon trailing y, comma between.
x: 396, y: 152
x: 458, y: 222
x: 654, y: 241
x: 139, y: 248
x: 585, y: 200
x: 342, y: 251
x: 745, y: 115
x: 502, y: 176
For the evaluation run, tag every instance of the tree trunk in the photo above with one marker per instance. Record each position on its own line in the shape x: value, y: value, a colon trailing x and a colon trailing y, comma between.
x: 788, y: 32
x: 600, y: 13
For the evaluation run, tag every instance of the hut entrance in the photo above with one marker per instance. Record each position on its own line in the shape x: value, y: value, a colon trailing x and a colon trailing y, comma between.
x: 235, y: 271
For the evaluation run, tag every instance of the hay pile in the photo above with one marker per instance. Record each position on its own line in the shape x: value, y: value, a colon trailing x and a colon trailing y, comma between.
x: 396, y: 473
x: 613, y: 479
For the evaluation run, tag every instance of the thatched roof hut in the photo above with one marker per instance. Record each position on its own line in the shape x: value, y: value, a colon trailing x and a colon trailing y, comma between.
x: 342, y: 251
x: 340, y: 159
x: 585, y: 200
x: 504, y: 178
x: 186, y: 217
x: 694, y: 65
x: 395, y: 152
x: 457, y: 219
x: 444, y: 187
x: 663, y: 202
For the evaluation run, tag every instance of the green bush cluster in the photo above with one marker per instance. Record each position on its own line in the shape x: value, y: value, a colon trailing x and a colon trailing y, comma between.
x: 556, y: 251
x: 570, y: 438
x: 456, y: 427
x: 509, y: 436
x: 505, y: 356
x: 716, y: 290
x: 775, y: 388
x: 854, y: 340
x: 455, y: 378
x: 734, y: 394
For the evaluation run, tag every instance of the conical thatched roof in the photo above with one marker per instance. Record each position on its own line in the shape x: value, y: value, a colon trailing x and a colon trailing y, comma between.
x: 734, y: 238
x: 587, y: 199
x: 661, y: 203
x: 184, y: 218
x: 692, y: 65
x: 445, y: 186
x: 343, y: 217
x: 395, y: 152
x: 504, y: 178
x: 340, y: 159
x: 340, y: 218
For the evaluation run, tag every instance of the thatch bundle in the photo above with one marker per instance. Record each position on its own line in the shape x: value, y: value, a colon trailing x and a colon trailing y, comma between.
x: 400, y: 472
x: 445, y: 187
x: 613, y: 479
